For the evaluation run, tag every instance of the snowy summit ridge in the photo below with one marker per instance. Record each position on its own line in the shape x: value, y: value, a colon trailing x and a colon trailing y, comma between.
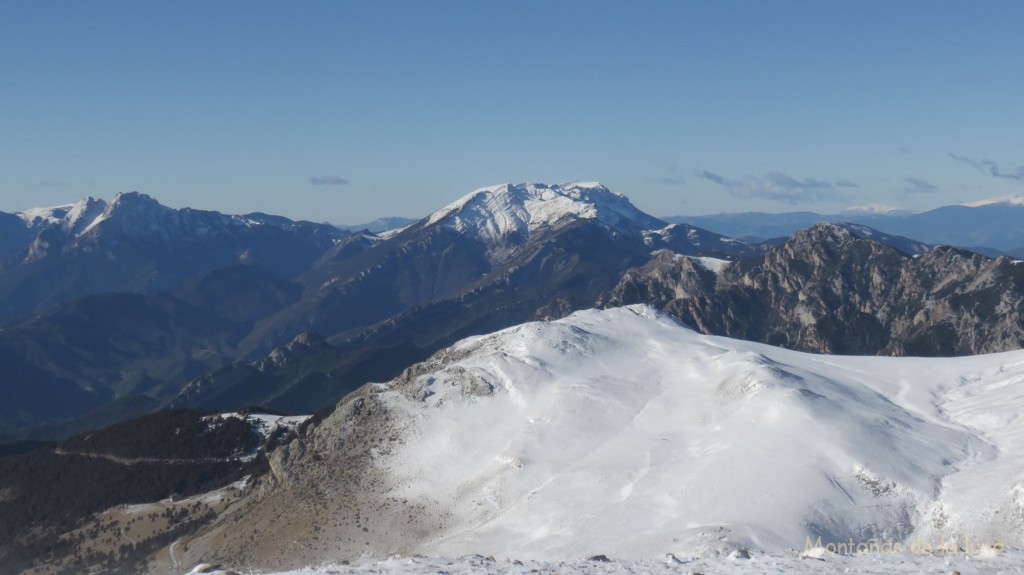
x: 70, y: 217
x: 131, y: 213
x: 497, y: 213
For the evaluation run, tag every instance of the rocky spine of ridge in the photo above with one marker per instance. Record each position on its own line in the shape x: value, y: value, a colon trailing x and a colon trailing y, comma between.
x: 827, y: 290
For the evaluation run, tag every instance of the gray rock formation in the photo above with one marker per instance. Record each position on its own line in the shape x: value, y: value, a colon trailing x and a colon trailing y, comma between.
x: 828, y: 290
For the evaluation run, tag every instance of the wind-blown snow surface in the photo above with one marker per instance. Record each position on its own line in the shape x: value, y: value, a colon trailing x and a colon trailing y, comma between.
x: 624, y: 433
x: 757, y: 564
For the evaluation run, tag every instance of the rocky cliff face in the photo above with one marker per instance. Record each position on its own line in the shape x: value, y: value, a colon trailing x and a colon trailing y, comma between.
x: 829, y: 290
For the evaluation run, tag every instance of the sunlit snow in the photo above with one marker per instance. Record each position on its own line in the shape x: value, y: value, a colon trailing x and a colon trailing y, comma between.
x: 623, y: 433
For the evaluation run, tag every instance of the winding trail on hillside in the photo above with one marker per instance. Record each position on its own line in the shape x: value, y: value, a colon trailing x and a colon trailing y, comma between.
x: 175, y: 564
x: 137, y: 460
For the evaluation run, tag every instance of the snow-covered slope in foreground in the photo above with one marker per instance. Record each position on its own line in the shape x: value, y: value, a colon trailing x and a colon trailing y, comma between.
x: 622, y: 432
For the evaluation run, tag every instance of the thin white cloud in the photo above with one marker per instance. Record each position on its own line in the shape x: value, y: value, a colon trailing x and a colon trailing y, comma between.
x: 779, y: 187
x: 328, y: 181
x: 917, y: 186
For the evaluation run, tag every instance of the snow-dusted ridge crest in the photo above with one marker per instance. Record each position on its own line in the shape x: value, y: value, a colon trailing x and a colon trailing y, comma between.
x: 494, y: 213
x: 136, y: 214
x: 622, y: 432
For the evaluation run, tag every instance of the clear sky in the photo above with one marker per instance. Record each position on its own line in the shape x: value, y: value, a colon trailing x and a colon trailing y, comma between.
x: 347, y: 111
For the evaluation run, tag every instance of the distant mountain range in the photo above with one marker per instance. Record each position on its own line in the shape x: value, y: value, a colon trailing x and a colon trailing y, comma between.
x: 116, y: 309
x: 990, y: 227
x: 379, y: 225
x: 496, y: 257
x: 467, y: 395
x: 134, y: 244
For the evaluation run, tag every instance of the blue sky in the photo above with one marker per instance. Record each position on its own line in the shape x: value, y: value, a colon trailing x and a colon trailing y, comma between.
x: 346, y: 111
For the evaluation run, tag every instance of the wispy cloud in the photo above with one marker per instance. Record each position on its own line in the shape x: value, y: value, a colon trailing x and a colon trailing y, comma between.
x: 720, y: 180
x: 779, y: 187
x: 916, y: 186
x: 328, y: 181
x: 673, y: 177
x: 903, y: 151
x: 991, y: 167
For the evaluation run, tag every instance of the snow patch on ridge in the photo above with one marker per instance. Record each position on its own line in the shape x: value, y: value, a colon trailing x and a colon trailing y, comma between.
x: 52, y: 215
x: 709, y: 263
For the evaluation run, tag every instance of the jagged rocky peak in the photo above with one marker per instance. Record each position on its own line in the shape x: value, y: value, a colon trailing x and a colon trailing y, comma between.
x: 141, y: 217
x: 133, y: 199
x: 824, y: 242
x: 302, y: 345
x: 498, y: 213
x: 830, y: 234
x: 137, y: 206
x: 127, y: 211
x: 828, y: 291
x: 56, y: 225
x: 83, y: 214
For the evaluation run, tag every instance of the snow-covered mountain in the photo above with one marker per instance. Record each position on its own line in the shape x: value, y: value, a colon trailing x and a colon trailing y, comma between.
x: 622, y: 432
x: 506, y: 216
x: 73, y: 219
x: 499, y: 215
x: 503, y: 255
x: 135, y: 244
x: 543, y: 242
x: 135, y: 217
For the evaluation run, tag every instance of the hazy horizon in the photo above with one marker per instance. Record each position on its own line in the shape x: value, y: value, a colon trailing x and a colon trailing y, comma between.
x: 347, y: 112
x: 869, y: 208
